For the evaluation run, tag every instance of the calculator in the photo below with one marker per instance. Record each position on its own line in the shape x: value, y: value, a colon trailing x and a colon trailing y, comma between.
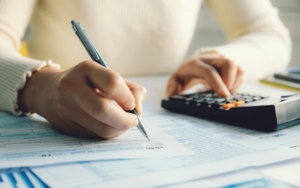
x: 257, y: 112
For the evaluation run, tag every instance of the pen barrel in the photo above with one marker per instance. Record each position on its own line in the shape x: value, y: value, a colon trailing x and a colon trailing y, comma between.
x: 140, y: 126
x: 87, y: 43
x: 94, y: 54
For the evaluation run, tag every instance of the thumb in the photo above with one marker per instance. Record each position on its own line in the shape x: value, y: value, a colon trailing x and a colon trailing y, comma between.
x: 139, y: 94
x: 173, y: 86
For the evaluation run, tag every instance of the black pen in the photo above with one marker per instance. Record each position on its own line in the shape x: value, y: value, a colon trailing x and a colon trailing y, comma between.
x: 94, y: 54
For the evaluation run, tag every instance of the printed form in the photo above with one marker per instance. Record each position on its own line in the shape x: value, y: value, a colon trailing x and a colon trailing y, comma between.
x: 31, y: 141
x: 218, y: 149
x: 241, y: 178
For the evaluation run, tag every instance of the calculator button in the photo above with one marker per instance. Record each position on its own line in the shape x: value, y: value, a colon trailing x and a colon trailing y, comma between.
x: 220, y: 100
x: 248, y: 100
x: 239, y: 99
x: 197, y: 101
x: 238, y: 96
x: 231, y: 97
x: 257, y: 98
x: 215, y: 95
x: 228, y: 105
x: 208, y: 95
x: 230, y: 101
x: 209, y: 99
x: 239, y: 103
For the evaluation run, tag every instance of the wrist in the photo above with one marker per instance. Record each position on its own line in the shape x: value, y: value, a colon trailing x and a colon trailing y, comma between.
x: 29, y: 97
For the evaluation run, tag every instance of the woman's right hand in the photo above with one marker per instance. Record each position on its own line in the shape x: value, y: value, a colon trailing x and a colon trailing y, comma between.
x: 75, y: 101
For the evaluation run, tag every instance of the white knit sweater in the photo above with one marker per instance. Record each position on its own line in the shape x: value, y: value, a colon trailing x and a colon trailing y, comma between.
x: 135, y: 37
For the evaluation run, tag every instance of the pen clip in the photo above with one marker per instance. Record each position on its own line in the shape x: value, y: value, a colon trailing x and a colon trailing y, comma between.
x: 85, y: 40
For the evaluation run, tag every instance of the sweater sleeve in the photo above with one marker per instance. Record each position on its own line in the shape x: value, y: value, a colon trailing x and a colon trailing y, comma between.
x: 258, y: 40
x: 14, y: 68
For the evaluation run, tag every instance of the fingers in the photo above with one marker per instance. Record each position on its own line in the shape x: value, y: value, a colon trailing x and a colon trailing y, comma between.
x: 173, y: 87
x: 238, y: 81
x: 96, y: 127
x: 63, y: 122
x: 199, y: 69
x: 139, y: 93
x: 75, y: 121
x: 229, y: 73
x: 109, y: 82
x: 194, y: 85
x: 228, y: 70
x: 74, y: 129
x: 103, y: 109
x: 219, y: 73
x: 195, y: 81
x: 79, y: 101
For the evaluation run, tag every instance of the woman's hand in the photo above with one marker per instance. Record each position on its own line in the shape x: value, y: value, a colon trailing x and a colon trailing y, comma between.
x: 79, y: 101
x: 213, y: 70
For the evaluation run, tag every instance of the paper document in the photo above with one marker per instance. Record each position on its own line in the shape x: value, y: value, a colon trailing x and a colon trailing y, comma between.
x: 20, y: 177
x: 288, y: 172
x: 30, y: 141
x: 219, y: 148
x: 238, y: 179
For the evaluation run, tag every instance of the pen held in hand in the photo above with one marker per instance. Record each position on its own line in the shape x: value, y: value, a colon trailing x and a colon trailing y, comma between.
x: 142, y: 128
x: 95, y: 55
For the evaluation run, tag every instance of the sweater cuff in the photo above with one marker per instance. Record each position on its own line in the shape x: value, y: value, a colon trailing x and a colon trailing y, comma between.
x: 14, y: 70
x: 259, y: 54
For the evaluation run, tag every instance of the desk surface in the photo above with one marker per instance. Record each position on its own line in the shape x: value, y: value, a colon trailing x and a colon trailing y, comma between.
x: 286, y: 171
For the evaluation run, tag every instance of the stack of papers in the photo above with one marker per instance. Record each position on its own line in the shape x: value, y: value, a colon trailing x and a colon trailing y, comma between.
x: 182, y: 149
x: 31, y: 141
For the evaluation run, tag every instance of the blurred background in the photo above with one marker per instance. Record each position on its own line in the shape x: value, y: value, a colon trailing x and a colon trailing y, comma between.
x: 209, y: 32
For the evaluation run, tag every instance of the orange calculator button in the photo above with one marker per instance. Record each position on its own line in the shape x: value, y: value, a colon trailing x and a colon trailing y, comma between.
x: 229, y: 105
x: 238, y: 103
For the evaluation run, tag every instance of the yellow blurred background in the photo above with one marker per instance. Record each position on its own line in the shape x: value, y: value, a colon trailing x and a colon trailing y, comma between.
x: 23, y: 49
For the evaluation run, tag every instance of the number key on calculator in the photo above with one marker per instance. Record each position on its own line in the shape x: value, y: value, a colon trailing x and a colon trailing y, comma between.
x: 252, y: 111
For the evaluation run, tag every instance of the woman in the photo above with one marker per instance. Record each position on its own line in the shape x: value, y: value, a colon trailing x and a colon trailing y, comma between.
x: 134, y: 38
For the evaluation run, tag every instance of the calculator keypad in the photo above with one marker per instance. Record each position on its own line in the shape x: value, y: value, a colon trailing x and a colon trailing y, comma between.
x: 212, y: 100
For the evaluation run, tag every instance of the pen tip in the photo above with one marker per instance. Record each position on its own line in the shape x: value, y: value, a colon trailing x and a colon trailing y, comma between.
x: 148, y: 138
x: 73, y: 21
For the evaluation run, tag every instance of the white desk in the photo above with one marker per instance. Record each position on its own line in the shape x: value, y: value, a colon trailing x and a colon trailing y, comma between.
x: 156, y: 91
x: 287, y: 172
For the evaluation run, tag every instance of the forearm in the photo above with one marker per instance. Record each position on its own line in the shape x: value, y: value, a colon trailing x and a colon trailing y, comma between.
x: 258, y: 53
x: 258, y: 40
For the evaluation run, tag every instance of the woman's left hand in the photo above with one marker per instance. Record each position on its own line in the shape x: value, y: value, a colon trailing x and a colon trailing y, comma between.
x: 213, y: 70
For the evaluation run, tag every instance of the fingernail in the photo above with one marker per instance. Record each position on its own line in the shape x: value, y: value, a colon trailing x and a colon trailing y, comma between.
x: 140, y: 109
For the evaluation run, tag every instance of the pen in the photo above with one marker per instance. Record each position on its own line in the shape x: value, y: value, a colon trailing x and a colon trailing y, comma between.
x: 94, y: 54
